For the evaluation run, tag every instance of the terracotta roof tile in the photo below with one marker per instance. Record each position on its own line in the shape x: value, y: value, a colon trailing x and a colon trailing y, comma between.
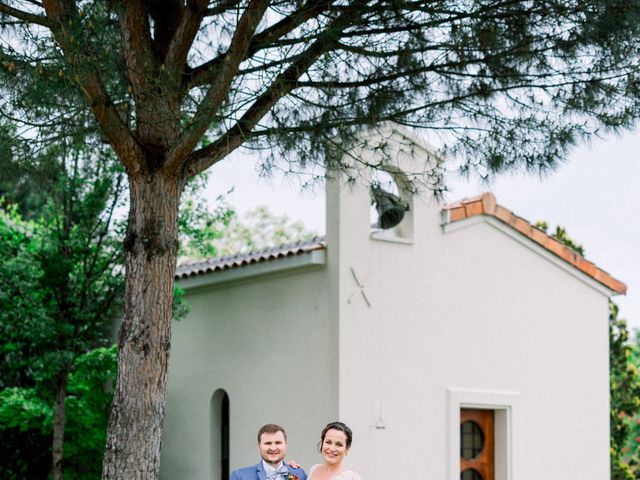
x: 239, y: 260
x: 486, y: 205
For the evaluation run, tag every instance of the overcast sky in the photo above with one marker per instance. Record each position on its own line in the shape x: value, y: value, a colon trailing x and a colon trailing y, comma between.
x: 595, y: 196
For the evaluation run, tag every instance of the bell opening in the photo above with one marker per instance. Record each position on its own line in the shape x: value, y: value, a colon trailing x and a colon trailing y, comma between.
x: 388, y: 207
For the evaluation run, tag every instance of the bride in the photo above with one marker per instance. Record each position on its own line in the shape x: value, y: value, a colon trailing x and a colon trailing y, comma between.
x: 334, y: 445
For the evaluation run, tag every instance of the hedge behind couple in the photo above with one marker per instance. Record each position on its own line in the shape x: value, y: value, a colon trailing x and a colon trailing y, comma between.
x: 335, y: 442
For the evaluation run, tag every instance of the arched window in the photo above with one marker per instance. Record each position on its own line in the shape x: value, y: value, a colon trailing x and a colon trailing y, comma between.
x: 220, y: 435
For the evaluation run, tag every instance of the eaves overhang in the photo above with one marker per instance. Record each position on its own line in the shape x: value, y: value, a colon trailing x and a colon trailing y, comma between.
x: 283, y: 259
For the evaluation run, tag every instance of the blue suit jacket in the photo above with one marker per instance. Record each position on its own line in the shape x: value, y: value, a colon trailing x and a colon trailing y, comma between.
x: 256, y: 472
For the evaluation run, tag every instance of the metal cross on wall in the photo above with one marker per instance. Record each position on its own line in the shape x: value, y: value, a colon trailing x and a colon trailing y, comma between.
x: 360, y: 288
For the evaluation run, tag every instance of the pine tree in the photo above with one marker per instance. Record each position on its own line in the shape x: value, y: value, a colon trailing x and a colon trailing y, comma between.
x: 175, y: 87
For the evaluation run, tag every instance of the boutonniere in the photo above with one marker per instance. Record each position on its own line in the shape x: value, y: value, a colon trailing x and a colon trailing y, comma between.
x: 292, y: 477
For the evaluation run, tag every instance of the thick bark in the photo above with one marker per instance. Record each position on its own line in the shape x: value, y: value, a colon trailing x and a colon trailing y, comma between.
x: 58, y: 426
x: 135, y: 426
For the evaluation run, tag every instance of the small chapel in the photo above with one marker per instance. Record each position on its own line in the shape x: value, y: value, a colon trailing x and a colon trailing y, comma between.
x: 458, y: 341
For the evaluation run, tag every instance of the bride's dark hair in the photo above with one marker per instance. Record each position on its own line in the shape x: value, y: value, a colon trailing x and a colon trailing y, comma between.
x: 341, y: 427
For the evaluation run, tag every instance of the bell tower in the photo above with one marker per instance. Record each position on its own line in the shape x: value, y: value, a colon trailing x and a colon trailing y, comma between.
x: 375, y: 193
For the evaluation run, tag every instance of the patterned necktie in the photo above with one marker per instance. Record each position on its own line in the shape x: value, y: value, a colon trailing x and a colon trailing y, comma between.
x: 282, y: 470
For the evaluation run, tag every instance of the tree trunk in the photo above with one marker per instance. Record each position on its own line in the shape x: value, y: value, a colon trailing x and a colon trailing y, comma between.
x: 58, y: 426
x: 151, y: 246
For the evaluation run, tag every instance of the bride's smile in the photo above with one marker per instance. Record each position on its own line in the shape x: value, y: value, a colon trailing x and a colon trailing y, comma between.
x: 334, y: 446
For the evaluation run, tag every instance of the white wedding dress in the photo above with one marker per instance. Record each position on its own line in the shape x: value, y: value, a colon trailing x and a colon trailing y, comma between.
x: 345, y: 475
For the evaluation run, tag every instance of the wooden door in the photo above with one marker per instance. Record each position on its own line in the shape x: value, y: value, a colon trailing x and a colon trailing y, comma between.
x: 477, y: 444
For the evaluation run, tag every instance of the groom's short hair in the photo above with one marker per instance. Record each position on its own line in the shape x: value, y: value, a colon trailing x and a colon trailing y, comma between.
x: 271, y: 428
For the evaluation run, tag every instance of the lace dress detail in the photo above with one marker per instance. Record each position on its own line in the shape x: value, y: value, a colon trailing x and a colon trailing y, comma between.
x: 346, y: 475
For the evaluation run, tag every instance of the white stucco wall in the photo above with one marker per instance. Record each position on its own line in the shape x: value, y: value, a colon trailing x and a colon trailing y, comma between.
x: 474, y: 313
x: 270, y: 345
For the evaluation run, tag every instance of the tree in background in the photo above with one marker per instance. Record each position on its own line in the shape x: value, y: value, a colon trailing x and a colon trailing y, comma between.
x: 223, y: 232
x: 199, y: 225
x: 21, y: 302
x: 60, y: 283
x: 625, y: 399
x: 27, y: 418
x: 175, y: 87
x: 23, y: 175
x: 71, y: 252
x: 259, y: 229
x: 560, y: 234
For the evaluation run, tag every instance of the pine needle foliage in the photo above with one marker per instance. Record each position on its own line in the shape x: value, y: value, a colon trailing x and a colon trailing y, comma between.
x: 500, y: 84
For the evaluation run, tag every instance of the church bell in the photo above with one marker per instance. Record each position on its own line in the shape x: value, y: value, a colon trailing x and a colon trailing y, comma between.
x: 390, y: 207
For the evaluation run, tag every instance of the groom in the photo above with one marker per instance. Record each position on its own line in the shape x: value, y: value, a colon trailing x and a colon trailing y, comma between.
x: 272, y: 444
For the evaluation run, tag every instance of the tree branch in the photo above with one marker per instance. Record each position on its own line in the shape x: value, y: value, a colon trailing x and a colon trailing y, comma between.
x: 218, y: 91
x: 235, y: 136
x: 222, y: 7
x: 89, y: 82
x: 176, y: 57
x: 138, y: 47
x: 205, y: 72
x: 25, y: 16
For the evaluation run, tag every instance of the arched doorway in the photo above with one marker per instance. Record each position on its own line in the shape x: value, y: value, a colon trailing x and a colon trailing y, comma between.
x: 219, y: 435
